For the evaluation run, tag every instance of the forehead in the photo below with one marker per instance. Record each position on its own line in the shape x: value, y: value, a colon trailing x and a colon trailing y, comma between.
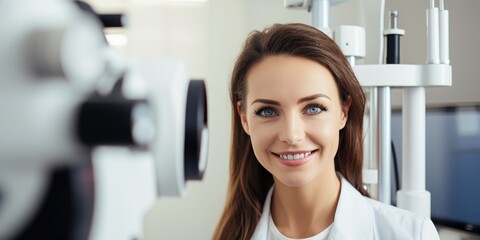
x: 279, y: 76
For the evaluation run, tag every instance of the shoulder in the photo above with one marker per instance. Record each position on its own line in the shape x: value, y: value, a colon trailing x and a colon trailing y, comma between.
x: 395, y: 223
x: 371, y: 219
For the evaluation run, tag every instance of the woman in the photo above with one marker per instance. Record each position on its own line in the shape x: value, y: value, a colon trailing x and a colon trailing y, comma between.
x: 296, y: 160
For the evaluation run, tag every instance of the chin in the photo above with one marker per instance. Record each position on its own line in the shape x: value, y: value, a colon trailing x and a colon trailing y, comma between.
x: 294, y: 181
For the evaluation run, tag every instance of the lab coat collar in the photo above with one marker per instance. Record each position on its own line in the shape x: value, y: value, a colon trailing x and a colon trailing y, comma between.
x: 353, y: 217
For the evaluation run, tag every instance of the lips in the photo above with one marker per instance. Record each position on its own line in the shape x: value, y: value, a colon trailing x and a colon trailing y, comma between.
x: 294, y: 158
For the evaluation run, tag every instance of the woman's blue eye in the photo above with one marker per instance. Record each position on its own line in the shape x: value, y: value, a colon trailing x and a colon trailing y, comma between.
x: 266, y: 112
x: 314, y: 109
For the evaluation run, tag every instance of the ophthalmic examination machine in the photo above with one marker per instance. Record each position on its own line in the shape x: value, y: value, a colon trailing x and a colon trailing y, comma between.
x: 67, y: 98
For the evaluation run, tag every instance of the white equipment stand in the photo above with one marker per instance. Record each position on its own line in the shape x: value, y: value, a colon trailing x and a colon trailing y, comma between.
x: 413, y: 79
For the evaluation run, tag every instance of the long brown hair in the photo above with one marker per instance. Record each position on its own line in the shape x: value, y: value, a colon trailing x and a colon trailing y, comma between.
x: 249, y: 181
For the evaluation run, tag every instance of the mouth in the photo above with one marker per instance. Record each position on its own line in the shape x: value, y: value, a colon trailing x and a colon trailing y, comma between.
x: 292, y: 156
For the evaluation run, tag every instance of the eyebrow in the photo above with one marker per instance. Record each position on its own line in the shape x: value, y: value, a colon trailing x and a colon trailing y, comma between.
x: 304, y: 99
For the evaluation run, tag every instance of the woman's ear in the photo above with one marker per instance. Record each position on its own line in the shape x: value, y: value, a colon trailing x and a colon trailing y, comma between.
x: 345, y: 108
x: 243, y: 117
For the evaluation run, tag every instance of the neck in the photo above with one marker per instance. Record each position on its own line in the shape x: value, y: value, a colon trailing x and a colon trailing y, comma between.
x: 300, y: 212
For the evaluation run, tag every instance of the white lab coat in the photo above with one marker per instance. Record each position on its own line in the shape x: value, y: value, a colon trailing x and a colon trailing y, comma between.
x: 359, y: 217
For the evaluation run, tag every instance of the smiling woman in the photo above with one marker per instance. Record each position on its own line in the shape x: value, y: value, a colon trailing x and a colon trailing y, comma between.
x: 293, y: 109
x: 296, y: 154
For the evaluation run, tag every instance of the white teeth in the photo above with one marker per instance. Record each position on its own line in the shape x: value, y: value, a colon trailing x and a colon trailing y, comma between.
x: 295, y: 156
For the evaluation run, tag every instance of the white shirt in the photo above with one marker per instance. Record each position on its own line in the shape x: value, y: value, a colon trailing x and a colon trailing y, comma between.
x: 359, y: 217
x: 274, y: 234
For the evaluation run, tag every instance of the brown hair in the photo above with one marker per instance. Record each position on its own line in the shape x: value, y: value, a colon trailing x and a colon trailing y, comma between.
x: 249, y: 181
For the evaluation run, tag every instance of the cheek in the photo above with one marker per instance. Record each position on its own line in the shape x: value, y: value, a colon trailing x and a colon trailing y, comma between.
x: 327, y: 135
x: 260, y: 136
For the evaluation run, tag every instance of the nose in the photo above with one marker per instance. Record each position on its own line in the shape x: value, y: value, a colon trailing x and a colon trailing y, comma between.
x: 292, y: 129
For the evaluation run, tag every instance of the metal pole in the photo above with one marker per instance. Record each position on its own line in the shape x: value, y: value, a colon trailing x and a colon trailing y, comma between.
x: 373, y: 134
x: 320, y: 13
x: 413, y: 195
x: 383, y: 145
x: 384, y: 115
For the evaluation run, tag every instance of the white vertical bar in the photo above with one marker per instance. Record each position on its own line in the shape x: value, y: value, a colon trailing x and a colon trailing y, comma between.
x: 413, y: 174
x: 373, y: 131
x: 351, y: 60
x: 321, y: 13
x: 433, y: 45
x: 444, y: 35
x: 413, y: 195
x: 384, y: 139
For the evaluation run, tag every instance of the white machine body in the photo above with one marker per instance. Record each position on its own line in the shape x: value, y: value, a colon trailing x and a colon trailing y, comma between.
x: 169, y: 80
x: 36, y: 74
x: 55, y: 60
x: 48, y: 64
